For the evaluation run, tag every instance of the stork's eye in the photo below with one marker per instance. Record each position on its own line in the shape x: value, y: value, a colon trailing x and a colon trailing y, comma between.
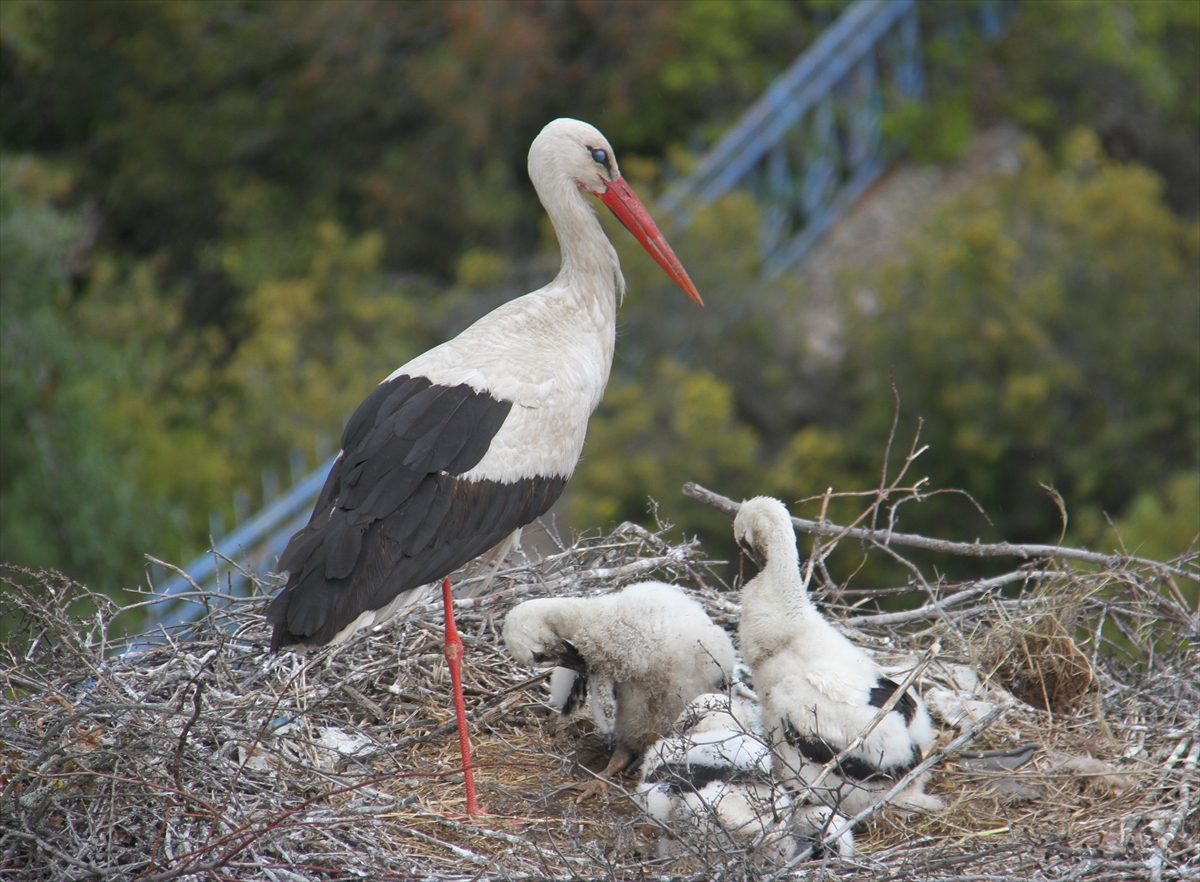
x: 745, y: 545
x: 600, y: 156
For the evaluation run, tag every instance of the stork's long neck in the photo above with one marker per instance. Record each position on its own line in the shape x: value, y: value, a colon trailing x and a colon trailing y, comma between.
x: 781, y: 583
x: 776, y: 610
x: 590, y: 271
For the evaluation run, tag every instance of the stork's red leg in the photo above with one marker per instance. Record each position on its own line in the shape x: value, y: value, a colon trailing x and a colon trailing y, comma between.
x: 454, y: 654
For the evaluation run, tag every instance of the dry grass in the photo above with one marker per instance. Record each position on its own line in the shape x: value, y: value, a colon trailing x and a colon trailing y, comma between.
x: 1035, y: 655
x: 203, y: 756
x: 1106, y: 663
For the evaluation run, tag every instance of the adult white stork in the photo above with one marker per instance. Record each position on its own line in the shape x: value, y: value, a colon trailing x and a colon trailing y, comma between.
x: 475, y: 438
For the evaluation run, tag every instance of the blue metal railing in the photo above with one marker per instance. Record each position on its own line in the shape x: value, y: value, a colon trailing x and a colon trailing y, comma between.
x: 813, y: 143
x: 255, y: 546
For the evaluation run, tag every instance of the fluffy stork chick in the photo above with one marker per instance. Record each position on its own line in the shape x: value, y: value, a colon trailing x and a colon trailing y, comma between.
x: 710, y: 782
x: 819, y: 690
x: 640, y: 655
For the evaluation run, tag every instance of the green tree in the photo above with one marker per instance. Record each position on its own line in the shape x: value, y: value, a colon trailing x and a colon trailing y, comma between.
x: 1129, y: 71
x: 123, y: 427
x: 1047, y: 329
x: 315, y: 344
x: 64, y: 500
x: 197, y: 122
x: 1126, y: 69
x: 281, y: 194
x: 1160, y: 523
x: 652, y: 435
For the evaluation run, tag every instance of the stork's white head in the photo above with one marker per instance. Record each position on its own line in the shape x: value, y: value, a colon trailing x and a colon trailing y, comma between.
x: 576, y: 151
x: 569, y: 155
x: 763, y: 528
x: 529, y: 634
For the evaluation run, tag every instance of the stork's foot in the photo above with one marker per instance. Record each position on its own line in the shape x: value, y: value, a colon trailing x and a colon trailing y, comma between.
x: 590, y: 789
x: 619, y: 762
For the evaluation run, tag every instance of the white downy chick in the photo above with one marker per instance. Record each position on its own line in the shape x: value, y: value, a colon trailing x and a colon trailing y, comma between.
x: 710, y: 782
x: 640, y: 655
x: 819, y: 690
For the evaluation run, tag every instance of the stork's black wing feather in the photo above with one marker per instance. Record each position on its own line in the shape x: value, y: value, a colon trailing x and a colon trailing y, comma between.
x: 394, y: 513
x: 572, y: 658
x: 817, y: 750
x: 883, y: 690
x: 577, y: 695
x: 692, y: 777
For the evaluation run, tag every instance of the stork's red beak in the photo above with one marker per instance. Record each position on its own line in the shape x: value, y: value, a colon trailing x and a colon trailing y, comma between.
x: 623, y: 202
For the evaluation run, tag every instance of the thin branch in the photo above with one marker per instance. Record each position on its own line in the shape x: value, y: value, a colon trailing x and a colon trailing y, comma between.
x: 932, y: 609
x: 967, y: 549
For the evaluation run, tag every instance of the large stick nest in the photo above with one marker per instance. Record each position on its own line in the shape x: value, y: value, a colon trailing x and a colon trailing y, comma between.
x: 201, y: 755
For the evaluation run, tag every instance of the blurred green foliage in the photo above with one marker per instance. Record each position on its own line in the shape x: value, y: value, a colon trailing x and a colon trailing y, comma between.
x: 313, y: 347
x: 1128, y: 70
x: 199, y: 124
x: 223, y: 222
x: 1046, y: 327
x: 1161, y: 520
x: 68, y: 371
x: 650, y: 437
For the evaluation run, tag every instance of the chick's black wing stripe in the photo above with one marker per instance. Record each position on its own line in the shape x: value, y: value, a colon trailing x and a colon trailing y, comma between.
x: 884, y: 689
